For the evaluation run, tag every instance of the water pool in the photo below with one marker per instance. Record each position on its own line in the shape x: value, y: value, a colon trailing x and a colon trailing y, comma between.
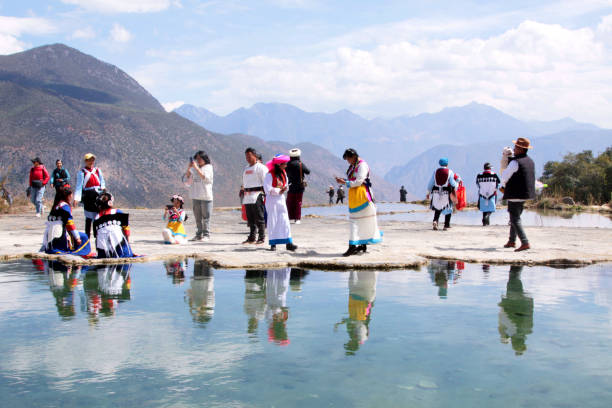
x: 179, y: 333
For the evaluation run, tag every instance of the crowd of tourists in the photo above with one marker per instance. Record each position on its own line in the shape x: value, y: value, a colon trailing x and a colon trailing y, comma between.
x: 271, y: 195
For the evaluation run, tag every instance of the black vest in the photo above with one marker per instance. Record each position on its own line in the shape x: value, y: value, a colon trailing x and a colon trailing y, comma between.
x: 522, y: 183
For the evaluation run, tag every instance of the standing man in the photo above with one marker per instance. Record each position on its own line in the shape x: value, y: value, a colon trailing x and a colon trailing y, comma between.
x: 340, y: 195
x: 253, y: 200
x: 295, y: 172
x: 38, y: 179
x: 59, y: 175
x: 487, y: 183
x: 403, y: 193
x: 330, y: 192
x: 518, y: 186
x: 442, y: 184
x: 199, y: 179
x: 90, y: 183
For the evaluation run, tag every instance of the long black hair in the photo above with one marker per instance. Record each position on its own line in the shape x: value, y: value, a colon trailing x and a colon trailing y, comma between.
x: 61, y: 194
x: 203, y: 155
x: 350, y: 152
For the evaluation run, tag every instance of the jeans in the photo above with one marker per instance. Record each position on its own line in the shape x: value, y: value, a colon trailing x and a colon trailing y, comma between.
x: 515, y: 209
x: 36, y: 197
x: 202, y: 211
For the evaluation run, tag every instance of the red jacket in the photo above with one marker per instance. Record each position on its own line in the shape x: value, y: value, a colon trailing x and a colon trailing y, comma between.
x: 39, y: 173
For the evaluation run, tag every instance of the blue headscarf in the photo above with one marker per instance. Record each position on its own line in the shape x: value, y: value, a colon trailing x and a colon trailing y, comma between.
x: 443, y: 161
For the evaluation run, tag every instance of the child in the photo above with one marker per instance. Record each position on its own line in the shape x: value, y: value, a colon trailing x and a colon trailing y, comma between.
x: 174, y: 233
x: 111, y: 229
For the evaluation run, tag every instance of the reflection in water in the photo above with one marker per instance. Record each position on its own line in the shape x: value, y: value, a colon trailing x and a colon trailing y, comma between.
x: 175, y: 269
x: 64, y: 281
x: 105, y: 287
x: 277, y: 312
x: 516, y: 313
x: 362, y: 292
x: 441, y: 272
x: 296, y: 278
x: 201, y: 295
x: 254, y: 298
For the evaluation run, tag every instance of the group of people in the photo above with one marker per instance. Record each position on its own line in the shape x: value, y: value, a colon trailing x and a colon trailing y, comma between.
x: 517, y: 185
x: 339, y: 194
x: 110, y: 225
x: 272, y: 196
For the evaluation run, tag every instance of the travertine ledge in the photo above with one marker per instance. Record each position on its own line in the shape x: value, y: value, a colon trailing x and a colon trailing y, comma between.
x: 322, y: 241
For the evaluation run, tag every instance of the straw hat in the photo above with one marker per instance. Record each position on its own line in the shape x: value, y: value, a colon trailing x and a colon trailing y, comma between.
x: 89, y: 156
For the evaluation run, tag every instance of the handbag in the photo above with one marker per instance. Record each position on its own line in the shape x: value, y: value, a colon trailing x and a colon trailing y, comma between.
x: 302, y: 181
x: 37, y: 184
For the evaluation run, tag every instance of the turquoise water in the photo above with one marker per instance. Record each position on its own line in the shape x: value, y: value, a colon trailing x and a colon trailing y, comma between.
x: 176, y: 334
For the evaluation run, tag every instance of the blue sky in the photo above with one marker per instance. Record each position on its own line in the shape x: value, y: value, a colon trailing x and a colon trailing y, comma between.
x: 539, y: 60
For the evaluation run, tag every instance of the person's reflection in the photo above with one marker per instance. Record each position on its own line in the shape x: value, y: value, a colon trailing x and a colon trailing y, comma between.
x: 106, y: 287
x: 441, y: 272
x: 175, y: 269
x: 63, y: 282
x: 516, y: 313
x: 362, y: 292
x: 201, y: 295
x: 254, y: 298
x: 277, y: 312
x: 296, y: 278
x: 485, y: 270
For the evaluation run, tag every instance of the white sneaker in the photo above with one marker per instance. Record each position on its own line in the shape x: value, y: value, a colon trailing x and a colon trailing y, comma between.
x: 205, y: 239
x: 298, y: 222
x: 38, y: 215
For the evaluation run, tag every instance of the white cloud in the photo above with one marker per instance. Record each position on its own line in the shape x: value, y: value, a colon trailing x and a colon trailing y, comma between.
x: 86, y: 33
x: 11, y: 28
x: 120, y: 34
x: 122, y: 6
x: 170, y: 106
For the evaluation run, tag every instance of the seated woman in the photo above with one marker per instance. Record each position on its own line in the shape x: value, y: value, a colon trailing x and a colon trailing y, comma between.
x: 61, y: 236
x: 174, y: 233
x: 111, y: 230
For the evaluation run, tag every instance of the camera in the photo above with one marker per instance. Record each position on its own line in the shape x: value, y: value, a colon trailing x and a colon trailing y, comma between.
x: 169, y: 206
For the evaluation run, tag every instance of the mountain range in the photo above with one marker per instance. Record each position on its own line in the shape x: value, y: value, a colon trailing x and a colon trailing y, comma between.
x: 385, y: 142
x: 57, y: 102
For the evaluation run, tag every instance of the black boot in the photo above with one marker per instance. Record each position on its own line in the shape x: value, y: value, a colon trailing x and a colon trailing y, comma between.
x: 363, y: 248
x: 291, y: 247
x: 352, y: 250
x: 272, y: 247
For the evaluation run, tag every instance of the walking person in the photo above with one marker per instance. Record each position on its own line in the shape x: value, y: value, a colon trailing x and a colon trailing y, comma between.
x: 90, y: 183
x: 253, y: 199
x: 275, y: 187
x: 441, y: 185
x: 403, y: 194
x: 38, y: 179
x: 330, y: 192
x: 59, y: 175
x: 487, y: 183
x: 340, y: 195
x: 297, y: 184
x: 518, y: 186
x: 199, y: 179
x: 362, y: 211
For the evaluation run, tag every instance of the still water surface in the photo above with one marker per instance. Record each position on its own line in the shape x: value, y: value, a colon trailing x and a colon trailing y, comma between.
x: 183, y: 334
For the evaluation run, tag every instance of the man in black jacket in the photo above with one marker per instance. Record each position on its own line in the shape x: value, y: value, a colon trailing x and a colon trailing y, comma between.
x: 518, y: 186
x: 295, y: 173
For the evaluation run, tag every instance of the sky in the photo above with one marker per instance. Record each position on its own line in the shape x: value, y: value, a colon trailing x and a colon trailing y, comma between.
x: 535, y: 60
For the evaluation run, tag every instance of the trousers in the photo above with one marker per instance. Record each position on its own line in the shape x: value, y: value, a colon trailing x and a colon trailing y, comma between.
x: 515, y: 209
x: 202, y: 211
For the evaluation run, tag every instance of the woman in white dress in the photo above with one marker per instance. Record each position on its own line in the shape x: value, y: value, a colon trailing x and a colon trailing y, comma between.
x: 275, y: 187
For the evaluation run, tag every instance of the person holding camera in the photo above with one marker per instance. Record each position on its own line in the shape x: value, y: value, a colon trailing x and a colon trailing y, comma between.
x: 174, y: 233
x: 297, y: 184
x: 199, y: 179
x: 39, y: 177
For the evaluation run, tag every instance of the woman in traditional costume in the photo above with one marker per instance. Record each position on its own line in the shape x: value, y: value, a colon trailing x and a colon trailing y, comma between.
x: 487, y: 183
x: 275, y: 186
x: 61, y: 236
x: 174, y: 233
x: 111, y: 229
x: 441, y: 185
x: 362, y: 211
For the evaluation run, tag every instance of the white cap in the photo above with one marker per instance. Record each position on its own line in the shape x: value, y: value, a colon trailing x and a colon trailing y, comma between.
x: 295, y: 152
